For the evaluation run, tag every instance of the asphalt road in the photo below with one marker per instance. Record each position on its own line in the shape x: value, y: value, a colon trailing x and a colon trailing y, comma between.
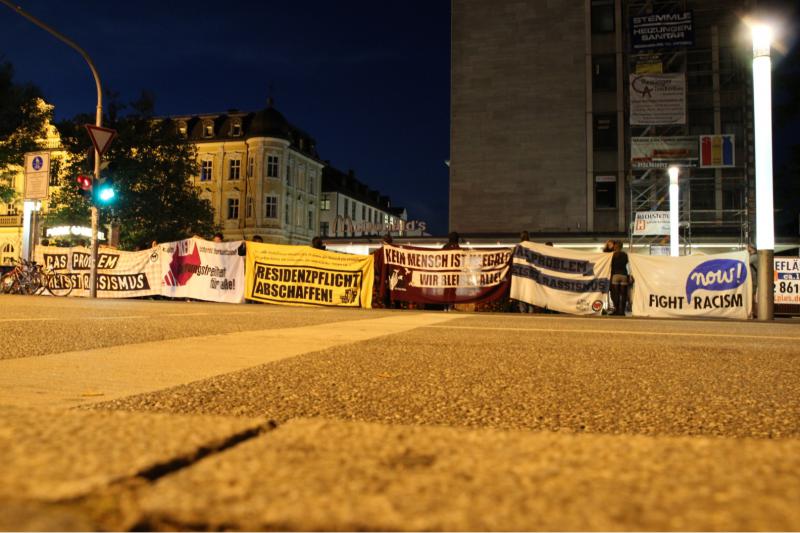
x: 188, y: 415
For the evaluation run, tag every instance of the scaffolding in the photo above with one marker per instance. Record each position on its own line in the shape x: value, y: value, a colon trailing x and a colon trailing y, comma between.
x: 715, y: 202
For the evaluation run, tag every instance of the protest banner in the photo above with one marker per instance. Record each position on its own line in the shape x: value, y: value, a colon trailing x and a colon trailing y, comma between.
x: 203, y: 270
x: 692, y: 286
x: 304, y: 276
x: 423, y: 275
x: 562, y: 280
x: 657, y: 99
x: 119, y: 274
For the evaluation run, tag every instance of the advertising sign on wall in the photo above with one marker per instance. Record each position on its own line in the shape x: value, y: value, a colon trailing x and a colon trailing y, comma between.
x: 651, y: 223
x: 692, y: 286
x: 661, y: 152
x: 559, y: 279
x: 657, y: 99
x: 787, y: 280
x: 304, y: 276
x: 716, y: 151
x: 204, y: 270
x: 662, y: 30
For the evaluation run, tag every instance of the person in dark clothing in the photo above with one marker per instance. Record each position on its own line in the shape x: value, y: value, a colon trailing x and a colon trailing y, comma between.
x: 452, y: 241
x: 317, y: 243
x: 619, y: 279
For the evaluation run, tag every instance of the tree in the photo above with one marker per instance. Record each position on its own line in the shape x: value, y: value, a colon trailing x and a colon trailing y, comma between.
x: 23, y: 115
x: 151, y: 166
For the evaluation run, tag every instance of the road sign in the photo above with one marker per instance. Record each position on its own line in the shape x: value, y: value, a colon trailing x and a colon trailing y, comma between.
x: 101, y: 137
x: 37, y: 175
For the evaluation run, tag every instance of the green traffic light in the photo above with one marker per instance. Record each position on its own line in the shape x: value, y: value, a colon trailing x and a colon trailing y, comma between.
x: 106, y: 194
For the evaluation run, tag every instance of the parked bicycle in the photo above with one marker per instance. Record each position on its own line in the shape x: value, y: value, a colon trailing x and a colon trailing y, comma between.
x: 29, y: 277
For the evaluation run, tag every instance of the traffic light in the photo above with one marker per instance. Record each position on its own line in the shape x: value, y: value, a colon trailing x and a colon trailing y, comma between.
x: 105, y: 193
x: 85, y: 186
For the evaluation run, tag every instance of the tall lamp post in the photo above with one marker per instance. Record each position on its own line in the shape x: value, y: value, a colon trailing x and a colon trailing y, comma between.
x: 762, y: 116
x: 674, y: 194
x: 98, y: 122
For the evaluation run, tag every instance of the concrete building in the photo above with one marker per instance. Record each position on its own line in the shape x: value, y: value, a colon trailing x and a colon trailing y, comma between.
x: 549, y: 118
x: 261, y: 174
x: 351, y: 209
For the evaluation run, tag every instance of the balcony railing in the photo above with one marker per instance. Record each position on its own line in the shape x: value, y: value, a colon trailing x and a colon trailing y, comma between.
x: 10, y: 220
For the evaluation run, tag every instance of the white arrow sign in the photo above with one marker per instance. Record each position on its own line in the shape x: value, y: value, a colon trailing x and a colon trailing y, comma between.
x: 101, y: 137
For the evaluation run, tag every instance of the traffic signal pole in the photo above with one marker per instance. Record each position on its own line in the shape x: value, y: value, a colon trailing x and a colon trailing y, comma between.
x: 98, y: 122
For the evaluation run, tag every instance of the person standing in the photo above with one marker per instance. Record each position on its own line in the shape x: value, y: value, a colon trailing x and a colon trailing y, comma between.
x: 619, y: 279
x: 524, y: 307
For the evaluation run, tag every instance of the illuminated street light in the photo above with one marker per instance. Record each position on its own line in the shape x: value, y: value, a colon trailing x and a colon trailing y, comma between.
x: 674, y: 193
x: 762, y: 117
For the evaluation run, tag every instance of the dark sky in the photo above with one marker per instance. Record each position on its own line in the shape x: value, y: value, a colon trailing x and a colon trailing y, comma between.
x: 369, y: 80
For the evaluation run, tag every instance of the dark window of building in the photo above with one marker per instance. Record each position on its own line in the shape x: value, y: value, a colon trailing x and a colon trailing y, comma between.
x: 205, y: 170
x: 272, y: 166
x: 602, y: 16
x: 270, y: 207
x: 604, y: 73
x: 234, y: 169
x: 236, y: 129
x: 605, y: 191
x: 233, y: 208
x: 323, y: 229
x: 605, y: 132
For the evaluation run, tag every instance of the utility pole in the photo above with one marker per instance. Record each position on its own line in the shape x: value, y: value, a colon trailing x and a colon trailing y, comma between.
x: 98, y: 123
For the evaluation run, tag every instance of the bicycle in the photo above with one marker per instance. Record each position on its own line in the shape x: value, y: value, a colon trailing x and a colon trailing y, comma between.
x: 28, y: 277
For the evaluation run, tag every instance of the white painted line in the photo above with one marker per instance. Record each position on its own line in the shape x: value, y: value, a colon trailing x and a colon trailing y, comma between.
x: 119, y: 317
x: 624, y: 332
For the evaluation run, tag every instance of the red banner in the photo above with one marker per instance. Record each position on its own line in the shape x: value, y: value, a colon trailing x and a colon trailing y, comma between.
x: 423, y: 275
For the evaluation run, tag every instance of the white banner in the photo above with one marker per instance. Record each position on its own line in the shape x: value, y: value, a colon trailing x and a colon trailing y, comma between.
x: 657, y: 99
x: 651, y: 223
x: 204, y: 270
x: 698, y: 285
x: 662, y: 152
x: 559, y: 279
x: 787, y: 280
x: 119, y: 274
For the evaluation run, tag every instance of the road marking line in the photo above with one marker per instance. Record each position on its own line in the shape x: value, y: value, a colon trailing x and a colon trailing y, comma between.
x: 120, y: 317
x: 62, y: 379
x: 624, y: 331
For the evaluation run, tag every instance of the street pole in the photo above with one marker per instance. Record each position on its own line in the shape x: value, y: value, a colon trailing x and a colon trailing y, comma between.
x: 674, y: 192
x: 98, y: 123
x: 762, y: 118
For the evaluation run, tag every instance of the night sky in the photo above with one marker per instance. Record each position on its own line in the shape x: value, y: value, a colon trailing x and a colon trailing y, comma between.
x: 369, y: 80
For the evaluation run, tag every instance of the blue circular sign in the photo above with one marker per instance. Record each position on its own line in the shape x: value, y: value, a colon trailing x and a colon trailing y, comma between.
x: 37, y: 163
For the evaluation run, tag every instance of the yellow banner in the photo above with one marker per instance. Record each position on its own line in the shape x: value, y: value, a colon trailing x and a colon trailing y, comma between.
x: 301, y: 275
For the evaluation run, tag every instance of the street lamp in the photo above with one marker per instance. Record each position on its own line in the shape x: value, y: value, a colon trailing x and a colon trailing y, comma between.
x: 98, y: 123
x: 674, y: 192
x: 762, y: 118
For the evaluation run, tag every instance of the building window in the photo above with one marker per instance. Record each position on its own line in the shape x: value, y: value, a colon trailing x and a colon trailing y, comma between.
x: 11, y: 208
x: 183, y: 130
x: 271, y: 207
x: 208, y: 128
x: 603, y: 16
x: 353, y: 211
x: 236, y: 128
x: 605, y: 191
x: 251, y: 161
x: 325, y: 203
x: 272, y: 166
x: 299, y: 221
x: 605, y: 132
x: 323, y: 229
x: 234, y: 169
x: 249, y: 208
x: 345, y: 207
x: 311, y: 219
x: 206, y: 167
x: 287, y: 215
x: 233, y: 208
x: 604, y: 73
x: 311, y: 182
